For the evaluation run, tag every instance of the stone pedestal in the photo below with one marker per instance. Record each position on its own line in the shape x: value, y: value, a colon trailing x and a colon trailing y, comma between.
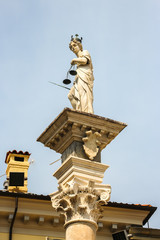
x: 80, y: 168
x: 80, y: 134
x: 80, y: 137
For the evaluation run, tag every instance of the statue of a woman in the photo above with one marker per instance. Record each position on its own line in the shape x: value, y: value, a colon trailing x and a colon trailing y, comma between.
x: 81, y: 93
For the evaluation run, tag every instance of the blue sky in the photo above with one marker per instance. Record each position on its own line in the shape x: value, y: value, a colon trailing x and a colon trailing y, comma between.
x: 123, y: 39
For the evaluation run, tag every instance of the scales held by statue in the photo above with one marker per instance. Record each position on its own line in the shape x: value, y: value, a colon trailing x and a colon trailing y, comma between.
x: 72, y: 72
x: 81, y: 92
x: 67, y: 81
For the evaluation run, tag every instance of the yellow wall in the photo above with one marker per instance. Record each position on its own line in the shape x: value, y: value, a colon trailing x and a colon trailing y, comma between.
x: 5, y: 236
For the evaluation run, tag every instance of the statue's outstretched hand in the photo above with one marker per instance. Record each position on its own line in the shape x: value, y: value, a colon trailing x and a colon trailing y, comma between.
x: 73, y: 62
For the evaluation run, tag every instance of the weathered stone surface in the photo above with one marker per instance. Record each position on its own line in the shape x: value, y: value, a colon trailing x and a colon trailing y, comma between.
x: 76, y: 149
x: 71, y: 126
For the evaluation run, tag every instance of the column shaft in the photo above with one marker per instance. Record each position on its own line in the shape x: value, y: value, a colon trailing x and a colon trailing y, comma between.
x: 80, y: 231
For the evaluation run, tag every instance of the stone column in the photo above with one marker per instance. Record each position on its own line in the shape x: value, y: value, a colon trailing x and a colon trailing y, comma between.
x: 81, y: 231
x: 80, y: 137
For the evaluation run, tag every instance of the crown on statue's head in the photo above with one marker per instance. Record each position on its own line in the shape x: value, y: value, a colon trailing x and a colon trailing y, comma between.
x: 76, y: 38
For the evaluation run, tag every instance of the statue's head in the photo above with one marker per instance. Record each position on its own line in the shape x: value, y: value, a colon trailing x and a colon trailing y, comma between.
x: 76, y: 44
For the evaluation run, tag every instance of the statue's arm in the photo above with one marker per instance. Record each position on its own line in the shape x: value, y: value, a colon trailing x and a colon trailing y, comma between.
x: 81, y: 60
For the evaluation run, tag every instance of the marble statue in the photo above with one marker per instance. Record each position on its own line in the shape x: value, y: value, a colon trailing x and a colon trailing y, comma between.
x: 81, y: 93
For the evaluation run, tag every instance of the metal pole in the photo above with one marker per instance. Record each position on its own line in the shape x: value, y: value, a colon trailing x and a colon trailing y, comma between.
x: 59, y: 85
x: 13, y: 219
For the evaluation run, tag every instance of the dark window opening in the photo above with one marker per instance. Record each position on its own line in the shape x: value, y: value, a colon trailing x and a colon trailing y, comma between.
x: 120, y: 235
x: 16, y: 179
x: 19, y: 159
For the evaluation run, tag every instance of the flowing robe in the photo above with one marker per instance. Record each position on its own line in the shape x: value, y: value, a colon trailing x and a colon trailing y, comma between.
x: 81, y: 94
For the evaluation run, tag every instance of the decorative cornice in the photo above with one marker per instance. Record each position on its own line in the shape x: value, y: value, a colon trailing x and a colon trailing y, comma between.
x: 72, y: 125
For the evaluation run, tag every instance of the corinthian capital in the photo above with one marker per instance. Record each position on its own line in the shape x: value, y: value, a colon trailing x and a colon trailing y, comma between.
x: 81, y: 200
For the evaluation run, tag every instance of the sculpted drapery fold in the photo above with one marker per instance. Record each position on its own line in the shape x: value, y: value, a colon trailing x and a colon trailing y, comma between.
x: 81, y: 93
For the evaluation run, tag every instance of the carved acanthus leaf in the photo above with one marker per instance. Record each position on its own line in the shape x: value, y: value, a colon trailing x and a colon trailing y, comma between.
x: 81, y: 200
